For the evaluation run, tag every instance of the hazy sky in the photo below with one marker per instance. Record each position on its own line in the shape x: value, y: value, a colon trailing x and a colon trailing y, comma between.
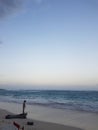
x: 49, y: 43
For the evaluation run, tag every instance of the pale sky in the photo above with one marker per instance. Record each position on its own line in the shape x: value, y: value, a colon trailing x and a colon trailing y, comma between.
x: 49, y: 43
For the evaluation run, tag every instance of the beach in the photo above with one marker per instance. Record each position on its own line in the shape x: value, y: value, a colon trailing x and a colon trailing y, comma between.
x: 48, y: 64
x: 45, y: 118
x: 38, y: 125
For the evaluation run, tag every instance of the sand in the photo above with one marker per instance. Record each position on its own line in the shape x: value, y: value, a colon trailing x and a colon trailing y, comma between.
x: 49, y: 118
x: 6, y: 124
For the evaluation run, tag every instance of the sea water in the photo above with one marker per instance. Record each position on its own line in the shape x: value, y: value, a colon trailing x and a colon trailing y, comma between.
x: 60, y: 99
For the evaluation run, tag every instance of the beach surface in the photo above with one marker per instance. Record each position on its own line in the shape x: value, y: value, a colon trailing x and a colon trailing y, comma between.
x: 45, y: 118
x: 7, y: 124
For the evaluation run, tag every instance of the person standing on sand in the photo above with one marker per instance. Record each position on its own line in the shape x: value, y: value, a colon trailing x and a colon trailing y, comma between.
x: 24, y: 106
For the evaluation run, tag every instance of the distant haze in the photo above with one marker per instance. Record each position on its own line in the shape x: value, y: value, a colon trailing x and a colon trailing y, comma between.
x: 49, y: 44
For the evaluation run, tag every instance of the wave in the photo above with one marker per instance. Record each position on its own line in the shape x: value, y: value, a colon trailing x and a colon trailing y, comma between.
x: 73, y: 100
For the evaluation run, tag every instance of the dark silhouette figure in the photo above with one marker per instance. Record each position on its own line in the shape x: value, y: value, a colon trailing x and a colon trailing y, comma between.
x: 24, y: 106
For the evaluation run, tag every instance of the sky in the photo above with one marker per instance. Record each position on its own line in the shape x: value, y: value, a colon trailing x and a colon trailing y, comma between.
x: 49, y: 44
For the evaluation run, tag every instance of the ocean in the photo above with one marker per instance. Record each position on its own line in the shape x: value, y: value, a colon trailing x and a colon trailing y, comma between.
x: 60, y: 99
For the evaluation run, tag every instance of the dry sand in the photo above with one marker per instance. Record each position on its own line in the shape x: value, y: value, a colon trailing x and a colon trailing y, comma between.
x: 66, y: 118
x: 6, y: 124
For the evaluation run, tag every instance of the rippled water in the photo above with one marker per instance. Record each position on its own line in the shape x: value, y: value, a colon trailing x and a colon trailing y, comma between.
x: 74, y: 100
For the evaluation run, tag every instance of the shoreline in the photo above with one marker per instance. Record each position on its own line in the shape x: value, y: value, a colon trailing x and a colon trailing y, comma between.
x: 83, y: 120
x: 49, y: 107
